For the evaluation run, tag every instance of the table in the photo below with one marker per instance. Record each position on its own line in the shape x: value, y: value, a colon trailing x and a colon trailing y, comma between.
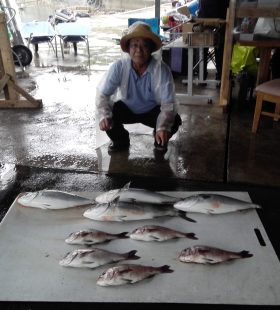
x: 36, y: 32
x: 32, y: 243
x: 73, y: 32
x: 178, y: 43
x: 265, y: 46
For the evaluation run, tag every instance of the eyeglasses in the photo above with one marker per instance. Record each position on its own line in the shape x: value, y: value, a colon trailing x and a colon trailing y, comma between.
x: 142, y: 47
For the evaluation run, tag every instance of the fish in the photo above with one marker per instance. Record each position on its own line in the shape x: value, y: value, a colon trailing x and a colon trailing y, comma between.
x: 52, y: 199
x: 129, y: 274
x: 213, y: 204
x: 158, y: 233
x: 119, y: 211
x: 93, y: 236
x: 128, y: 194
x: 93, y: 258
x: 203, y: 254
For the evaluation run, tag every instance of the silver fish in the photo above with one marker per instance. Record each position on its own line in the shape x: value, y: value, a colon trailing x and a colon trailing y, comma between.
x: 128, y: 194
x: 52, y: 199
x: 202, y: 254
x: 119, y: 211
x: 213, y: 204
x: 93, y: 236
x: 158, y: 233
x: 129, y: 273
x: 92, y: 258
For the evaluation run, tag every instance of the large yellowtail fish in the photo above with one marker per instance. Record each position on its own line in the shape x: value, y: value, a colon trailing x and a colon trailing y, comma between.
x: 203, y: 254
x: 128, y: 194
x: 119, y: 211
x: 213, y: 204
x: 129, y: 274
x: 93, y: 258
x: 158, y: 233
x: 52, y: 199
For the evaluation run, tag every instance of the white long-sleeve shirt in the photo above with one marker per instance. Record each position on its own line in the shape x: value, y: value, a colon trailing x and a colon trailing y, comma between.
x: 140, y: 94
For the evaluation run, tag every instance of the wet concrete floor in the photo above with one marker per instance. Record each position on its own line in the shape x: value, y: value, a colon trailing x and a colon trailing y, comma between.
x: 211, y: 145
x: 56, y: 147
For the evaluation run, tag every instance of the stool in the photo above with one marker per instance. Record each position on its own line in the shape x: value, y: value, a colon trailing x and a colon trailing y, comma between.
x: 268, y: 91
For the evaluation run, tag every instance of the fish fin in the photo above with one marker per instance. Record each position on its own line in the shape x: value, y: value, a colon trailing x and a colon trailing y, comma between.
x: 128, y: 281
x: 183, y: 215
x: 116, y: 197
x: 131, y: 255
x: 87, y: 263
x: 122, y: 218
x: 150, y: 276
x: 73, y: 256
x: 126, y: 186
x: 88, y: 241
x: 131, y: 200
x: 245, y: 254
x: 155, y: 238
x: 166, y: 269
x: 191, y: 236
x: 208, y: 260
x: 45, y: 206
x: 114, y: 200
x: 122, y: 235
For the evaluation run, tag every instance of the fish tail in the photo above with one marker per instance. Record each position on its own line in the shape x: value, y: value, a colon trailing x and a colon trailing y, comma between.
x: 166, y: 269
x: 245, y: 254
x: 122, y: 235
x: 191, y: 236
x: 183, y: 215
x: 131, y: 255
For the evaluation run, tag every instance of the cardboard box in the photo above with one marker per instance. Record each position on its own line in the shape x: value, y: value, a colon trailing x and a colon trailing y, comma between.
x: 186, y: 28
x: 200, y: 39
x: 183, y: 10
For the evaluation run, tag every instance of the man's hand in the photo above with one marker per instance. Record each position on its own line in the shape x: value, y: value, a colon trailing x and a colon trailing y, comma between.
x: 162, y: 137
x: 105, y: 124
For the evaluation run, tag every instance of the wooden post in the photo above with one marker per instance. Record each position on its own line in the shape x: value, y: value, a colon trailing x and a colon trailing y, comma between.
x: 225, y: 93
x: 7, y: 63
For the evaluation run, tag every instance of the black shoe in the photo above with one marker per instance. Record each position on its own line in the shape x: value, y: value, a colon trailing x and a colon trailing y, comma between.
x: 117, y: 146
x: 160, y: 148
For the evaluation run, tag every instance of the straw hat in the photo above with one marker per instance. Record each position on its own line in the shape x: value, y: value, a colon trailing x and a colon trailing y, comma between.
x: 140, y: 30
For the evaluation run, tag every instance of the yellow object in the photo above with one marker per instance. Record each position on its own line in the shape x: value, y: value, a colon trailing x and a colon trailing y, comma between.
x: 244, y: 59
x: 165, y: 19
